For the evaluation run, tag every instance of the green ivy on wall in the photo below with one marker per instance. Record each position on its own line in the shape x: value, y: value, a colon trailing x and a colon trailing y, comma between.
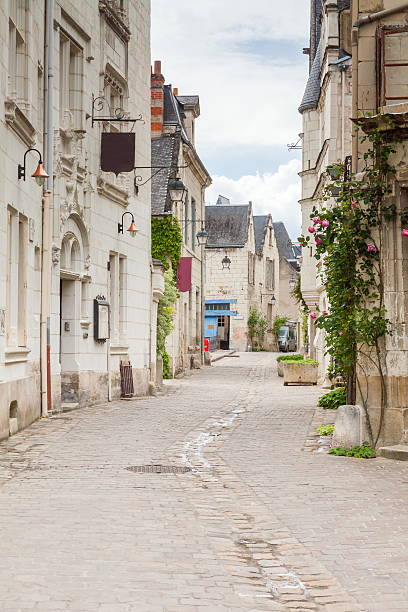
x: 167, y: 240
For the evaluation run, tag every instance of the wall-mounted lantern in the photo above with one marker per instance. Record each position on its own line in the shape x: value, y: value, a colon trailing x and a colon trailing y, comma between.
x: 272, y: 301
x: 202, y: 237
x: 132, y: 229
x: 226, y: 263
x: 177, y: 189
x: 40, y: 174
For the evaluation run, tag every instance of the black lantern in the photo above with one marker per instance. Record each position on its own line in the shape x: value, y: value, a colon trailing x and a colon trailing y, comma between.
x: 226, y: 263
x: 272, y: 301
x: 177, y: 189
x: 202, y: 237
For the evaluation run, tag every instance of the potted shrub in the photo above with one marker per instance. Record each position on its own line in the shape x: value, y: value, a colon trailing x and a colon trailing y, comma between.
x: 300, y: 372
x: 282, y: 358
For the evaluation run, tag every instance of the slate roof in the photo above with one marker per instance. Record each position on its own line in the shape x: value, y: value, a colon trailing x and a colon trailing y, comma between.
x: 312, y: 92
x: 193, y: 100
x: 260, y: 225
x: 285, y: 248
x: 165, y: 151
x: 227, y: 225
x: 343, y: 4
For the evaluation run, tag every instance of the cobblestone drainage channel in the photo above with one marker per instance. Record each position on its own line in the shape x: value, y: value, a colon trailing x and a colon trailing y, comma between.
x: 158, y: 469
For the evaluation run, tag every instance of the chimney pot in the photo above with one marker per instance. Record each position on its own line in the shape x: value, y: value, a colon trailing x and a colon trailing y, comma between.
x: 157, y: 67
x: 175, y: 91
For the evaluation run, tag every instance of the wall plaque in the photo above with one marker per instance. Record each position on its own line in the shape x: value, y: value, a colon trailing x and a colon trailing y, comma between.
x: 101, y: 319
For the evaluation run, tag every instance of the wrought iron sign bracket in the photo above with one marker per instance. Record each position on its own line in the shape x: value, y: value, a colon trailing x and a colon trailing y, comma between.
x: 137, y: 181
x: 100, y: 104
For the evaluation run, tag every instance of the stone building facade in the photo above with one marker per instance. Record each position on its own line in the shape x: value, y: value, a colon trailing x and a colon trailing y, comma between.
x: 52, y: 279
x: 174, y: 155
x: 380, y: 60
x: 254, y: 277
x: 326, y: 137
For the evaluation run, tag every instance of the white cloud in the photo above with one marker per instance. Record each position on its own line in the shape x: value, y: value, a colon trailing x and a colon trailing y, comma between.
x: 247, y: 98
x: 276, y: 193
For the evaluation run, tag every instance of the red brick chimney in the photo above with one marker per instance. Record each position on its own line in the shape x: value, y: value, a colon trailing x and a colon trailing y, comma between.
x: 157, y: 100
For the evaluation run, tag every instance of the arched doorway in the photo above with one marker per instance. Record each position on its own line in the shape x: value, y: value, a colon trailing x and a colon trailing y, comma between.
x: 72, y: 309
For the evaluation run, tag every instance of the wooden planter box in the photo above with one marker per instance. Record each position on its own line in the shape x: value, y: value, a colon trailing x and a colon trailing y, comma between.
x: 299, y: 373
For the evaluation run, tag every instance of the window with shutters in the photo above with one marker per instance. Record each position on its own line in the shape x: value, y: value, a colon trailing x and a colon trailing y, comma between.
x: 17, y: 52
x: 71, y: 83
x: 16, y: 292
x: 251, y: 268
x: 392, y: 64
x: 270, y: 274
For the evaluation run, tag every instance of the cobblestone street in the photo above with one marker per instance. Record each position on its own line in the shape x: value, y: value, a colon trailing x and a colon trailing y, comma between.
x: 259, y: 524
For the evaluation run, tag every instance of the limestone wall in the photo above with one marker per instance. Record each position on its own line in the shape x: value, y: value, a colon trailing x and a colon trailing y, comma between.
x: 87, y: 207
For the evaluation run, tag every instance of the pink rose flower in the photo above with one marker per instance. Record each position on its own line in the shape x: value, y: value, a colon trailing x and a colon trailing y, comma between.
x: 311, y: 229
x: 318, y: 241
x: 316, y: 220
x: 313, y: 315
x: 405, y: 233
x: 325, y: 223
x: 372, y: 248
x: 340, y: 333
x: 353, y: 204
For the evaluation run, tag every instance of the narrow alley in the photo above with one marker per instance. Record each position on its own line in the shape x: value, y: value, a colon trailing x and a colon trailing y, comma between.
x: 252, y: 525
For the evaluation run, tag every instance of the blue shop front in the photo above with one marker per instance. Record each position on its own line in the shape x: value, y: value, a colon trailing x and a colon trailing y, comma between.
x: 218, y: 315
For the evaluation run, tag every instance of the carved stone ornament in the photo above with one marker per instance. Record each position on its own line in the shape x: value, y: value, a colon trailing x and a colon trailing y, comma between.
x: 56, y: 253
x: 402, y: 176
x: 19, y: 123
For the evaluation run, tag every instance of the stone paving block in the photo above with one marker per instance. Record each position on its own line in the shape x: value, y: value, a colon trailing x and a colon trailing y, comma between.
x: 245, y: 533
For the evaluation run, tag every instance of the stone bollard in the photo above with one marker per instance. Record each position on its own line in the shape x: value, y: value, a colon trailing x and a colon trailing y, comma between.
x: 351, y: 428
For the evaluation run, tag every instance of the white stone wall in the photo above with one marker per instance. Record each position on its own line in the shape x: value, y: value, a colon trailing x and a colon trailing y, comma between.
x: 326, y: 140
x: 20, y: 215
x: 86, y: 209
x: 230, y: 284
x: 184, y: 342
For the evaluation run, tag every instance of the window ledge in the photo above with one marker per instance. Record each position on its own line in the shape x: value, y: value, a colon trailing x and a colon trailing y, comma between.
x: 19, y: 123
x: 117, y: 349
x: 16, y: 354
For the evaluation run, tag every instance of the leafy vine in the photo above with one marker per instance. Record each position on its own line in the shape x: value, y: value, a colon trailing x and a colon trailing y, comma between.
x: 167, y: 240
x: 348, y: 238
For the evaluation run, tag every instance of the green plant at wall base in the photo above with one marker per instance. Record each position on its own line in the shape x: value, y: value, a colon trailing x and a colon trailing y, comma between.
x: 325, y: 430
x: 365, y: 451
x: 166, y: 366
x: 333, y: 399
x: 165, y: 317
x: 295, y: 357
x: 167, y: 240
x: 349, y: 239
x: 257, y: 326
x: 304, y: 309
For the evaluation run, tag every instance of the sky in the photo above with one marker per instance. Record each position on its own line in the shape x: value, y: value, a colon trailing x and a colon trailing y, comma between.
x: 245, y: 61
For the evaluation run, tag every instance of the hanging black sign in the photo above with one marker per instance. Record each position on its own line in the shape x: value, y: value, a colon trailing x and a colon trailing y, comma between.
x: 117, y: 152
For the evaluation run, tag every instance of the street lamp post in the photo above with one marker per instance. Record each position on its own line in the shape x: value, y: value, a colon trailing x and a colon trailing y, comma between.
x: 202, y: 238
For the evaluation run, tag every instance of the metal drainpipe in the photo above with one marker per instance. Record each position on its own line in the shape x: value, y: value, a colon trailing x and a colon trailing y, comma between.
x: 354, y: 87
x: 379, y: 15
x: 45, y: 343
x: 202, y: 288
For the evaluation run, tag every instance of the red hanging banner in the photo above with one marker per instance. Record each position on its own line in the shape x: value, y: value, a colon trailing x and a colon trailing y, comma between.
x: 184, y: 274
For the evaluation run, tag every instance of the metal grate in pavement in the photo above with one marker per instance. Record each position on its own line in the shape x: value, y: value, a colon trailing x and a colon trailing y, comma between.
x: 158, y: 469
